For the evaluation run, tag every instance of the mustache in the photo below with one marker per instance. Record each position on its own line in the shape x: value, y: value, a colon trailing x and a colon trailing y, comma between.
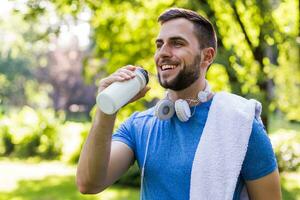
x: 167, y: 62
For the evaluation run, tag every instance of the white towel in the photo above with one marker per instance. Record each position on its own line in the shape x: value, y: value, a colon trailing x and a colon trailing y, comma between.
x: 222, y: 147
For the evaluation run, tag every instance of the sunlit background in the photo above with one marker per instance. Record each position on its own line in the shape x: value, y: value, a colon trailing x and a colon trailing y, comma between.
x: 53, y: 54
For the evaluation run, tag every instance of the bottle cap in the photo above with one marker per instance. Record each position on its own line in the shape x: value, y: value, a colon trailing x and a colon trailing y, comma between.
x: 145, y: 73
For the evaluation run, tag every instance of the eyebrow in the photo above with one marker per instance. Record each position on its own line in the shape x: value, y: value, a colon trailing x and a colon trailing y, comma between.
x: 172, y: 39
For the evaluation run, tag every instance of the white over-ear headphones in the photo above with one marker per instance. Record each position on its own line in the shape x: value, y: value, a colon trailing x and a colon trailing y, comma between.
x: 165, y: 108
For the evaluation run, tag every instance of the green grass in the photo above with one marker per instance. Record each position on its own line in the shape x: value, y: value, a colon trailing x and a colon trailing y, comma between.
x: 49, y: 180
x: 280, y: 130
x: 290, y: 185
x: 35, y: 179
x: 63, y: 188
x: 39, y: 181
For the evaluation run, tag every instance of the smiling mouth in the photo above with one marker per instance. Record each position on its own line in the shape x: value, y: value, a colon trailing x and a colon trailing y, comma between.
x: 168, y: 67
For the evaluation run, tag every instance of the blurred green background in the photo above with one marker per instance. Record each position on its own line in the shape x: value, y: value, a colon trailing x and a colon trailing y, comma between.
x: 53, y: 54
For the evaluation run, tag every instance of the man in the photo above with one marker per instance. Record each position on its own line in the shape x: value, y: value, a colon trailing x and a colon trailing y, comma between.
x: 165, y: 149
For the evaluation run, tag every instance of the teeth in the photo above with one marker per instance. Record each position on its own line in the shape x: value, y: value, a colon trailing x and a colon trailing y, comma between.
x: 164, y: 67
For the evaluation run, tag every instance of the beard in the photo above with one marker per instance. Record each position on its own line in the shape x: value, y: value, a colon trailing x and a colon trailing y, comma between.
x: 186, y: 76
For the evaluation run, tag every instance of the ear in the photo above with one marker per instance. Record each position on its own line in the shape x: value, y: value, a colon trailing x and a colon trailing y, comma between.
x: 207, y: 55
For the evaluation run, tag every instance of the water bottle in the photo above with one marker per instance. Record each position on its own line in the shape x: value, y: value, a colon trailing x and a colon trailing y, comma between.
x: 116, y: 95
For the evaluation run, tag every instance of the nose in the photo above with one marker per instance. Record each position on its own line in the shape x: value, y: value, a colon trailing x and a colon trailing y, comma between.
x: 164, y: 51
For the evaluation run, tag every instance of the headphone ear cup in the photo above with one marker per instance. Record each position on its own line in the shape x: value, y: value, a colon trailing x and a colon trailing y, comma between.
x: 183, y: 110
x: 164, y: 109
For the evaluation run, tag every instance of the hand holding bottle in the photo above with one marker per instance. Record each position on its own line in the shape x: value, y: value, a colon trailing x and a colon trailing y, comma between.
x: 126, y: 85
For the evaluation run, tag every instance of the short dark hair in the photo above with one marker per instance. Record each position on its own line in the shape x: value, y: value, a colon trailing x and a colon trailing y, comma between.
x: 204, y: 30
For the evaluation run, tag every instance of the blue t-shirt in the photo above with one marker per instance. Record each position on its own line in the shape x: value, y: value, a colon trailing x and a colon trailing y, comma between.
x: 172, y: 147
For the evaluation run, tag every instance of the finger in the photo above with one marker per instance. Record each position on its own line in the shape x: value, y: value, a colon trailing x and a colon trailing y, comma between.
x: 129, y: 67
x: 122, y: 74
x: 128, y: 72
x: 104, y: 83
x: 125, y: 74
x: 113, y: 78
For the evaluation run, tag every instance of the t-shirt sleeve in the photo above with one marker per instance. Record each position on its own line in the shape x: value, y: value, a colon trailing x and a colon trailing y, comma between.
x: 125, y: 133
x: 260, y: 159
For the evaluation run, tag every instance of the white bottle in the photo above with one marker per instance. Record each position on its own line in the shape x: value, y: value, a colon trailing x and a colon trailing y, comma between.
x: 116, y: 95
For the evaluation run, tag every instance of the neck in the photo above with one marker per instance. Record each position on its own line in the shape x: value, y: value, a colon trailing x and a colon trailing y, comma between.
x: 190, y: 92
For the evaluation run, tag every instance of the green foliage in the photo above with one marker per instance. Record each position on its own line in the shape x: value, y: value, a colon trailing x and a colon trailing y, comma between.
x: 287, y: 150
x: 28, y: 146
x: 20, y: 55
x: 218, y: 78
x: 57, y: 187
x: 6, y: 144
x: 290, y: 186
x: 257, y: 52
x: 288, y: 81
x: 63, y: 188
x: 14, y: 72
x: 286, y: 75
x: 50, y: 145
x: 131, y: 177
x: 74, y: 157
x: 250, y: 35
x: 30, y: 133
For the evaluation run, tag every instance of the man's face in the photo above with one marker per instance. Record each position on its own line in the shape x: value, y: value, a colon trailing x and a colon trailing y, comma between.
x: 177, y: 55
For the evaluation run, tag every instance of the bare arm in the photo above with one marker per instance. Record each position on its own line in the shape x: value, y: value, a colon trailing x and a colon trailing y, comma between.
x: 101, y: 161
x: 267, y: 187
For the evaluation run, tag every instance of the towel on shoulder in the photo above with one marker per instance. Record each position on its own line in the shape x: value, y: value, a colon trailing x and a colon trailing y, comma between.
x: 222, y: 148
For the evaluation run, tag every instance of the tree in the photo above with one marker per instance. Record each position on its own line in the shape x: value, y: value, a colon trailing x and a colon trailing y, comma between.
x: 256, y: 44
x: 15, y: 65
x: 249, y: 32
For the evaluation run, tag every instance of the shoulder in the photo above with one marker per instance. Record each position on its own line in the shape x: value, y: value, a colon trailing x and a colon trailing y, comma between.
x: 231, y: 102
x: 260, y: 159
x: 259, y: 137
x: 229, y: 96
x: 140, y: 117
x: 130, y: 130
x: 145, y: 114
x: 232, y: 97
x: 258, y: 128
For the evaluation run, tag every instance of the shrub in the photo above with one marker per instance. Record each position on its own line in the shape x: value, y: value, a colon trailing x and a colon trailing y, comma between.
x: 30, y: 133
x: 50, y: 144
x: 287, y: 149
x: 75, y: 155
x: 6, y: 143
x: 28, y: 146
x: 131, y: 177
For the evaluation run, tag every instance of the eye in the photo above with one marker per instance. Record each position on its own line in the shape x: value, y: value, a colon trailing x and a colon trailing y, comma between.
x: 158, y: 44
x: 177, y: 44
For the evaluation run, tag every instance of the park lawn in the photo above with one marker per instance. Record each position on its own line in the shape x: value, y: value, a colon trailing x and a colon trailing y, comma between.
x: 290, y: 185
x: 62, y: 187
x: 50, y: 180
x: 54, y: 180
